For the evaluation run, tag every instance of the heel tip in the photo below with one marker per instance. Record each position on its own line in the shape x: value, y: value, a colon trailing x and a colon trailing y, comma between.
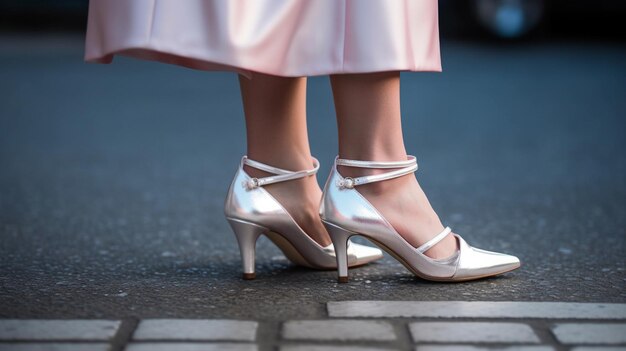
x: 249, y: 276
x: 343, y: 279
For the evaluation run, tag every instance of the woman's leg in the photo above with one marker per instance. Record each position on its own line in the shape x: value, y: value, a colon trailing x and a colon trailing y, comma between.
x: 275, y: 111
x: 369, y: 123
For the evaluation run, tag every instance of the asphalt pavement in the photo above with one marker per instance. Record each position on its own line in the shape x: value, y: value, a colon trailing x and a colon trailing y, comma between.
x: 113, y: 177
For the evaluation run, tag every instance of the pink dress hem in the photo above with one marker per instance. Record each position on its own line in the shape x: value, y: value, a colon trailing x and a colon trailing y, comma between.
x: 277, y: 37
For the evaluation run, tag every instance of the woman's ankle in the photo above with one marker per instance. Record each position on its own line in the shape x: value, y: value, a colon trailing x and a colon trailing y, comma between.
x: 293, y: 161
x: 371, y: 154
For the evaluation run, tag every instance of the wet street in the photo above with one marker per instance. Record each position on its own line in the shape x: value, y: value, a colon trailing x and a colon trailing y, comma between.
x: 113, y: 177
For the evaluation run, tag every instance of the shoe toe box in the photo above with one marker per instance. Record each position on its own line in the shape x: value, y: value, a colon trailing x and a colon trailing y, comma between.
x: 362, y: 254
x: 478, y: 263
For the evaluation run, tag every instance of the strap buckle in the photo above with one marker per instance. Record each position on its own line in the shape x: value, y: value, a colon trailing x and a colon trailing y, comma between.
x: 347, y: 182
x: 252, y: 183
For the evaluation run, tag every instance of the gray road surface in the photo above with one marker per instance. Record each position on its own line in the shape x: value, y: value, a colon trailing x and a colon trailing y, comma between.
x: 112, y: 180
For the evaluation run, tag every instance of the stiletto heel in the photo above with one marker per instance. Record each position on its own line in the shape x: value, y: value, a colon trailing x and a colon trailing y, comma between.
x: 345, y: 212
x: 251, y: 211
x: 340, y: 238
x: 247, y: 234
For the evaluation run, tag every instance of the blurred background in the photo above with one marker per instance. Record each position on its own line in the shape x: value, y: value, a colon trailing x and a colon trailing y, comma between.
x: 112, y: 177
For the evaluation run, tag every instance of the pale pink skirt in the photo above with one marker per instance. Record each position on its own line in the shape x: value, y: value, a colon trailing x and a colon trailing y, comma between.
x: 281, y: 37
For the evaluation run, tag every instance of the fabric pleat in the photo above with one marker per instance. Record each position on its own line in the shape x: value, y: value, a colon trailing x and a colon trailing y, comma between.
x: 289, y: 38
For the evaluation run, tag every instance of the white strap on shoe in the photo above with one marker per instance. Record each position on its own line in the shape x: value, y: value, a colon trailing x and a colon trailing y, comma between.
x: 408, y: 166
x: 434, y: 241
x: 280, y: 175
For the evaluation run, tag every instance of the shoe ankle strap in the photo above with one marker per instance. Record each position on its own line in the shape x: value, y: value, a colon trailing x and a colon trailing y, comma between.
x: 435, y: 240
x: 408, y: 166
x: 280, y: 175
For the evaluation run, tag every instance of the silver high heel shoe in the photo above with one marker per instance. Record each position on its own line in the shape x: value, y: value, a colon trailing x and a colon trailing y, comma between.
x: 345, y: 212
x: 252, y: 211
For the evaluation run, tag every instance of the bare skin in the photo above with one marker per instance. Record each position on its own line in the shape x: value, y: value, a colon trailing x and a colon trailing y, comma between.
x: 370, y: 128
x: 275, y: 111
x: 369, y: 123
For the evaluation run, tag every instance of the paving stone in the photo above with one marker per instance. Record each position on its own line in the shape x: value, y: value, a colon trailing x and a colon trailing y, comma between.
x: 169, y: 346
x: 476, y: 309
x: 461, y: 332
x: 54, y: 347
x: 196, y: 330
x: 478, y: 348
x: 338, y: 330
x: 599, y: 348
x: 330, y: 348
x: 590, y: 333
x: 57, y: 329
